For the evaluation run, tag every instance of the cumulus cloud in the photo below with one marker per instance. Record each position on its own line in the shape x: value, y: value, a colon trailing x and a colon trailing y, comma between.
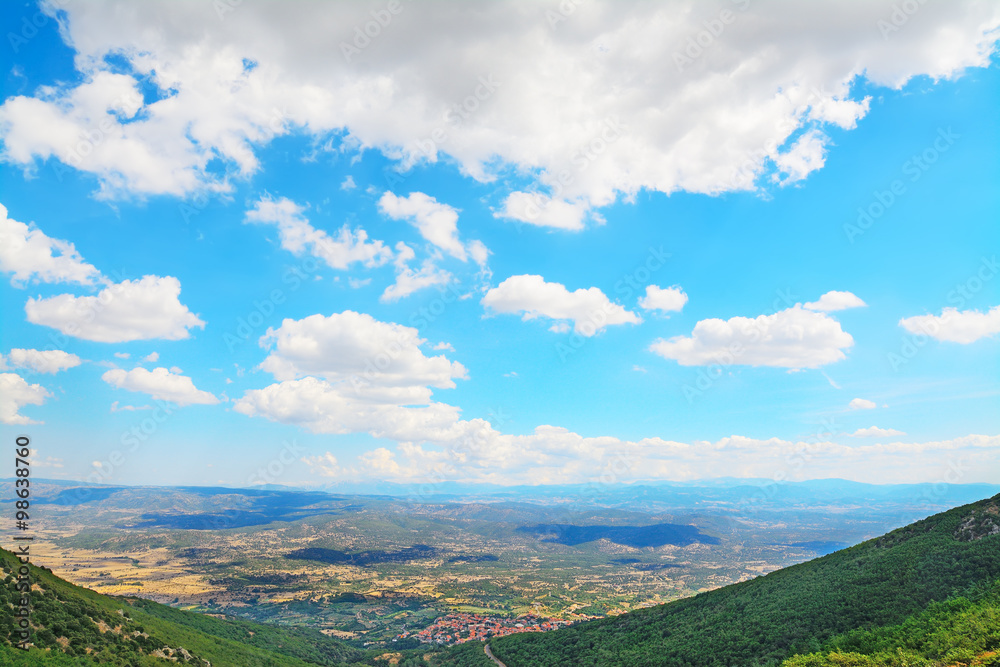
x: 833, y: 301
x: 15, y: 393
x: 29, y: 255
x: 40, y: 361
x: 876, y: 432
x: 436, y: 222
x: 351, y: 373
x: 955, y: 326
x: 861, y: 404
x: 330, y: 407
x: 544, y: 211
x: 792, y: 338
x: 297, y: 236
x: 805, y: 156
x: 668, y: 299
x: 357, y: 348
x: 787, y: 72
x: 410, y: 280
x: 130, y: 310
x: 589, y: 310
x: 161, y: 384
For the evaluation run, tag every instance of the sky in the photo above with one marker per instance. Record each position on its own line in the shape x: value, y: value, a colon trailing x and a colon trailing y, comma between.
x: 500, y: 243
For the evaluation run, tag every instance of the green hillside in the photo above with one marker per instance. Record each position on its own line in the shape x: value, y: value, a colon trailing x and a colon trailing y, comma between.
x: 797, y: 610
x: 76, y: 626
x: 960, y: 631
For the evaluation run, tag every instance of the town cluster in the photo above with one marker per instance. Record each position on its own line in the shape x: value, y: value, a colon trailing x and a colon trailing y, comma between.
x: 459, y: 628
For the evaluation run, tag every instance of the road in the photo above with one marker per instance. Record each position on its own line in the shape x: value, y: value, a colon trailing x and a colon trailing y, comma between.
x: 489, y: 654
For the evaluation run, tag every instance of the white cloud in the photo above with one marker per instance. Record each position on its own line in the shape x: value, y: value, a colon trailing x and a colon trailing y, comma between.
x: 358, y: 283
x: 544, y: 211
x: 329, y: 407
x: 28, y: 254
x: 130, y: 310
x: 955, y: 326
x: 410, y: 280
x: 876, y: 432
x: 38, y: 461
x: 805, y: 156
x: 832, y: 301
x: 122, y: 355
x: 381, y: 462
x: 15, y: 393
x: 325, y: 464
x: 791, y: 338
x: 436, y: 222
x: 480, y: 253
x: 88, y: 127
x: 348, y: 183
x: 589, y: 310
x: 668, y: 300
x: 862, y: 404
x: 40, y: 361
x: 780, y: 71
x: 161, y: 384
x: 115, y: 407
x: 350, y: 373
x: 298, y: 236
x: 152, y: 357
x: 356, y: 348
x: 829, y: 379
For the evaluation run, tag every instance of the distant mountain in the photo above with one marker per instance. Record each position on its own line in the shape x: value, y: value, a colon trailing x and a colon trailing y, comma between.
x: 734, y: 493
x: 807, y: 608
x: 634, y: 536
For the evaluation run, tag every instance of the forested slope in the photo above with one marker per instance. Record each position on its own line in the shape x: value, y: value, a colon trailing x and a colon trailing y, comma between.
x: 76, y: 626
x: 796, y: 610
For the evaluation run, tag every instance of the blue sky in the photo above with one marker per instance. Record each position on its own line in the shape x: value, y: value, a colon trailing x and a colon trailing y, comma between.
x: 551, y: 297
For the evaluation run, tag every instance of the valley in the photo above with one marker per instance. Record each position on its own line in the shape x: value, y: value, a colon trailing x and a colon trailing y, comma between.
x: 376, y: 570
x: 925, y: 594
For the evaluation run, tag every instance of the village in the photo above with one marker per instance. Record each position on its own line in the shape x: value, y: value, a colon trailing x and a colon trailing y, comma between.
x: 460, y: 628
